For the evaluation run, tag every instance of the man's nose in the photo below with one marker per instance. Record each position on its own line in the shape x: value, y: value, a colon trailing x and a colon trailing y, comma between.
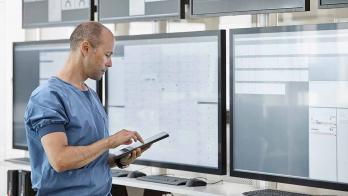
x: 109, y: 63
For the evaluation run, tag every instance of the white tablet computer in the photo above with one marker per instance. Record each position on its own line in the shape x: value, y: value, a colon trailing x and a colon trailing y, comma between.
x: 125, y: 151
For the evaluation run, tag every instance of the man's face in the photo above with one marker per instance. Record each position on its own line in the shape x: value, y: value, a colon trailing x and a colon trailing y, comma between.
x: 100, y: 59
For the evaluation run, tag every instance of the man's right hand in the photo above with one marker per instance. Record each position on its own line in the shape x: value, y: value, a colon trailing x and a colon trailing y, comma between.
x: 124, y: 137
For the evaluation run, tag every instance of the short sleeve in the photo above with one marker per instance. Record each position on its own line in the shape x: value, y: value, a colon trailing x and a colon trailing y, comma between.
x: 45, y: 112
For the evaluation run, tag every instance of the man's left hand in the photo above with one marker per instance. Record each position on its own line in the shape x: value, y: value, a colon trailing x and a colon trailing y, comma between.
x: 131, y: 157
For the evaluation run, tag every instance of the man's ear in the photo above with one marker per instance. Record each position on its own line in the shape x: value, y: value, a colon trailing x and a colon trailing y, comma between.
x: 85, y: 47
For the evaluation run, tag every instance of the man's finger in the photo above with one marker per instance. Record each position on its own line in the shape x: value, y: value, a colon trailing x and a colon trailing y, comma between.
x: 134, y: 154
x: 139, y: 137
x: 135, y: 138
x: 138, y: 152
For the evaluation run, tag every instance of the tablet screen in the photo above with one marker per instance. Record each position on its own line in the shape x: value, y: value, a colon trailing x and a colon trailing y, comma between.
x: 124, y: 151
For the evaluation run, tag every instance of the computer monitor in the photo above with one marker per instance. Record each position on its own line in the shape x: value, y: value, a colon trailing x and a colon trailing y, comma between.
x: 140, y: 10
x: 33, y: 63
x: 49, y: 13
x: 202, y: 8
x: 289, y: 100
x: 175, y: 83
x: 333, y: 3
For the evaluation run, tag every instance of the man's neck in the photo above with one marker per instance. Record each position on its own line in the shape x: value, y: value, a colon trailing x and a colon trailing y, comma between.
x: 72, y: 73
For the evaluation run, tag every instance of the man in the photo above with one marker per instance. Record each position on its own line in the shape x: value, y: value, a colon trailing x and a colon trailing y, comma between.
x: 66, y: 124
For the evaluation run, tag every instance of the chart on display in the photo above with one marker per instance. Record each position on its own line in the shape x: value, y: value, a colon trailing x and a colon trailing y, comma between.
x: 172, y: 83
x: 49, y: 13
x: 139, y: 10
x: 33, y: 64
x: 289, y: 89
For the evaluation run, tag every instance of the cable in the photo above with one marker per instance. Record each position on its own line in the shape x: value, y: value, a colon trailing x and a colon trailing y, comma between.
x: 216, y: 182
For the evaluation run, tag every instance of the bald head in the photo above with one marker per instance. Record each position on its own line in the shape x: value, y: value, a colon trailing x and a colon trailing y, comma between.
x: 87, y: 31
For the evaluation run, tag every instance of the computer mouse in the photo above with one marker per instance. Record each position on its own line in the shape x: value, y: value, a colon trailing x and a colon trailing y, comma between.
x: 119, y: 173
x: 135, y: 174
x: 195, y: 182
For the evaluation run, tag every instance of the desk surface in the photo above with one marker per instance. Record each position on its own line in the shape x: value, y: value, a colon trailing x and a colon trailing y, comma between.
x: 219, y: 189
x: 222, y: 188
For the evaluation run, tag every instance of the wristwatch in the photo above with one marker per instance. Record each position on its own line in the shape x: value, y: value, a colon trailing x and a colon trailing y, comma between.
x: 119, y: 164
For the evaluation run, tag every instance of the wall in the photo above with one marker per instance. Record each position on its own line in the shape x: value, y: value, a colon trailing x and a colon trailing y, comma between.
x: 2, y: 64
x: 10, y: 31
x: 13, y: 33
x: 3, y: 139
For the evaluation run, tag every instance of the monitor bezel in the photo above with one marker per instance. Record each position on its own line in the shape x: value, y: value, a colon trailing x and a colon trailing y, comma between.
x: 26, y: 43
x: 177, y: 16
x: 306, y: 7
x: 221, y: 35
x: 330, y: 6
x: 264, y: 176
x: 14, y: 45
x: 92, y: 10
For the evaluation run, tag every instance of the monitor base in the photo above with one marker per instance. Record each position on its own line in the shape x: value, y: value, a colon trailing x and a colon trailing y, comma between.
x: 23, y: 160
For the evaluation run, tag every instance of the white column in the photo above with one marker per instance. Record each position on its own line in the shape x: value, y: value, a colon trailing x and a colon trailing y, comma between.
x: 2, y: 75
x: 13, y: 32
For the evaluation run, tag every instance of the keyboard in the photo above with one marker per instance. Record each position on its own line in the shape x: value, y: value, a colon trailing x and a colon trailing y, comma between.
x: 119, y: 173
x: 164, y: 179
x: 271, y: 192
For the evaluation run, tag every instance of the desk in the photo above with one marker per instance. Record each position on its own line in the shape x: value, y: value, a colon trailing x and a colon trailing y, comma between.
x: 219, y: 189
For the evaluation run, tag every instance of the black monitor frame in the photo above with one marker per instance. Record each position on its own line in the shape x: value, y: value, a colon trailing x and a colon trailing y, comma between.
x: 92, y: 11
x: 269, y: 177
x: 16, y: 44
x: 306, y: 7
x: 178, y: 16
x: 322, y: 5
x: 221, y: 34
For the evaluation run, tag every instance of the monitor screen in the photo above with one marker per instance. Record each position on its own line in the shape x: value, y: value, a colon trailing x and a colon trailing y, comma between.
x: 33, y: 64
x: 138, y: 10
x: 289, y: 90
x: 46, y: 13
x: 174, y: 83
x: 235, y: 7
x: 333, y: 3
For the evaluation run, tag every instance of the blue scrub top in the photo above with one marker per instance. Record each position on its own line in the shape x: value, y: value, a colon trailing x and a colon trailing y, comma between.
x: 59, y: 106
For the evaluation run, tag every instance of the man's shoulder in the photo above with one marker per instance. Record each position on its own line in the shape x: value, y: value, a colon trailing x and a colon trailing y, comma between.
x: 51, y: 86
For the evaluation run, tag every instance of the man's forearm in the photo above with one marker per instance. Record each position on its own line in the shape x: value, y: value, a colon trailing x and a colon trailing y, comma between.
x: 74, y: 157
x: 63, y: 157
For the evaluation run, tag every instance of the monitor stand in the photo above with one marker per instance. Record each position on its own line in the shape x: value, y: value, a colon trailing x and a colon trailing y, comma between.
x: 259, y: 184
x: 23, y: 160
x: 158, y: 171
